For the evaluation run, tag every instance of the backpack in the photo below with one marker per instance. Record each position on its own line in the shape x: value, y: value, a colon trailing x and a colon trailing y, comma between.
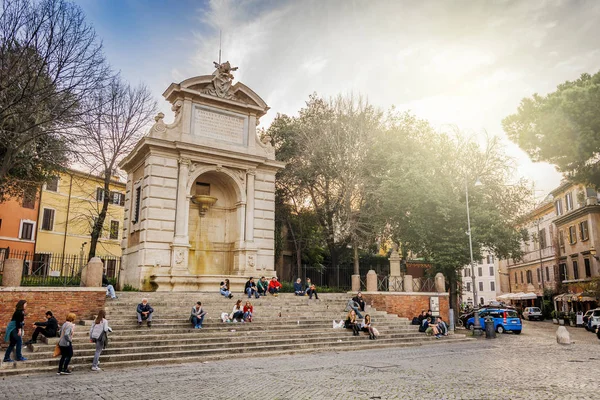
x: 97, y: 331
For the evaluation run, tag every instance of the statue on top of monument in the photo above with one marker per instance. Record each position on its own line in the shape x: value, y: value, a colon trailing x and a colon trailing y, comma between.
x: 221, y: 83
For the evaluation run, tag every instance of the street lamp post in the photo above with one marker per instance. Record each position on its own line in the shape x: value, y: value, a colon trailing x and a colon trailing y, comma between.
x: 541, y: 263
x: 476, y: 325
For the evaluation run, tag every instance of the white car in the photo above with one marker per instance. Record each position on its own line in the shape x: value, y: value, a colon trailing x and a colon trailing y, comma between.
x: 533, y: 313
x: 595, y: 319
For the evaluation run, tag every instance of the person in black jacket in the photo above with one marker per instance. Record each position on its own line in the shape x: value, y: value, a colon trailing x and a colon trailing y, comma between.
x: 48, y: 328
x: 14, y: 332
x: 359, y: 299
x: 250, y: 288
x: 144, y: 312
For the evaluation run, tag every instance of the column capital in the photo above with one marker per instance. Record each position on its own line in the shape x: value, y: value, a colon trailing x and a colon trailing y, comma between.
x: 185, y: 161
x: 251, y: 171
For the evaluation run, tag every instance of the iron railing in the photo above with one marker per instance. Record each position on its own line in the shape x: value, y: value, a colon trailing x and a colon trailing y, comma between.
x: 396, y: 284
x: 55, y: 269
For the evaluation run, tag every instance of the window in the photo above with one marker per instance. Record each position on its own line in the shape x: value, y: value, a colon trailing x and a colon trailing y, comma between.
x: 0, y: 223
x: 572, y: 235
x: 111, y: 268
x: 114, y: 229
x: 490, y: 259
x: 539, y: 275
x: 26, y: 231
x: 542, y: 235
x: 52, y: 184
x: 117, y: 198
x: 558, y: 207
x: 29, y: 198
x: 48, y: 219
x: 575, y: 270
x: 493, y: 286
x: 561, y: 241
x: 529, y: 276
x: 569, y: 201
x: 522, y: 280
x: 516, y: 281
x: 588, y: 268
x: 480, y: 261
x: 547, y: 274
x: 468, y: 286
x: 481, y: 286
x: 480, y: 271
x: 136, y: 210
x: 562, y: 268
x: 100, y: 194
x: 491, y: 271
x: 583, y: 231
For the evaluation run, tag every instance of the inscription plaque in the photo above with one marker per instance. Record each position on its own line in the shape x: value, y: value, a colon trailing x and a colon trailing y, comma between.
x: 217, y: 125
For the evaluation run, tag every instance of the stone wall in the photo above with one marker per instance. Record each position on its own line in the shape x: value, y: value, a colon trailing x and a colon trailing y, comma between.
x: 406, y: 305
x: 84, y: 302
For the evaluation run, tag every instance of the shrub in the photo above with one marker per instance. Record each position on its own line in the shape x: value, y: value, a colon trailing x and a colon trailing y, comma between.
x: 128, y: 288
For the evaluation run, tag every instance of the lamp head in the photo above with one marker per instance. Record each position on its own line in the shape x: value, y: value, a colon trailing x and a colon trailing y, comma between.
x: 478, y: 183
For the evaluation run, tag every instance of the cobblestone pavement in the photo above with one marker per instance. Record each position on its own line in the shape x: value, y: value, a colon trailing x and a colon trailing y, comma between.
x: 529, y: 366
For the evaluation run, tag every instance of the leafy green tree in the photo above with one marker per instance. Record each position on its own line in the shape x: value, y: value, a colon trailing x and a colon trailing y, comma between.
x: 327, y: 149
x: 562, y: 128
x: 423, y: 193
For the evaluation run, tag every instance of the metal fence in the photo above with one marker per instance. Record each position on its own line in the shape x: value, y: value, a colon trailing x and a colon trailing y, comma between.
x: 385, y: 284
x: 55, y: 269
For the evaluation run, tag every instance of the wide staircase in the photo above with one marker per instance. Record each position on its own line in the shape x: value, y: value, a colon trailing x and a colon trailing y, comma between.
x: 286, y: 324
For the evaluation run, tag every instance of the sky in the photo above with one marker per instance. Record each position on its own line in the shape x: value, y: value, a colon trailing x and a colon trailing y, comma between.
x: 458, y: 64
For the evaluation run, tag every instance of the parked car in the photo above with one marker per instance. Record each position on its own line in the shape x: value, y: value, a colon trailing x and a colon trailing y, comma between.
x: 533, y: 313
x: 505, y: 320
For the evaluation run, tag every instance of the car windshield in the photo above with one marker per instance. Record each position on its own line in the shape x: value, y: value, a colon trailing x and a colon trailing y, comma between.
x: 512, y: 314
x: 534, y: 309
x: 596, y: 313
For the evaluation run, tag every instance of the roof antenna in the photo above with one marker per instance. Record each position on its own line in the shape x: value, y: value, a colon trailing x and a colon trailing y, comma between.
x: 220, y: 46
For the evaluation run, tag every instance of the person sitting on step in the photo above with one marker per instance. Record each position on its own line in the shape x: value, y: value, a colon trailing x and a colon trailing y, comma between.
x: 352, y: 323
x: 298, y: 288
x: 197, y: 315
x: 110, y: 289
x: 274, y: 286
x: 441, y: 328
x: 144, y: 312
x: 367, y: 326
x: 352, y: 305
x: 424, y: 325
x: 237, y: 315
x: 311, y: 289
x: 225, y: 289
x: 360, y: 301
x: 262, y: 286
x: 248, y: 310
x: 250, y: 288
x: 48, y: 328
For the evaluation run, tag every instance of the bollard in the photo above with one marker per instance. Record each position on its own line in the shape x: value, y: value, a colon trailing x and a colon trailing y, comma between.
x: 371, y: 281
x: 490, y: 333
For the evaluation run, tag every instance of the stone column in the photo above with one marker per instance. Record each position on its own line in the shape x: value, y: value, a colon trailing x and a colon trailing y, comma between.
x: 395, y: 279
x: 13, y: 271
x: 408, y: 283
x: 181, y: 243
x: 94, y: 270
x: 241, y: 217
x: 371, y: 281
x: 250, y: 205
x: 440, y: 283
x: 356, y: 283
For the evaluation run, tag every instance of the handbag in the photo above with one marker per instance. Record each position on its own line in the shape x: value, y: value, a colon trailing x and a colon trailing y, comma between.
x: 375, y: 332
x: 56, y: 351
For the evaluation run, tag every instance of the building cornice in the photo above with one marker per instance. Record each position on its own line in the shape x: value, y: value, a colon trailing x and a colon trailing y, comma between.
x: 580, y: 212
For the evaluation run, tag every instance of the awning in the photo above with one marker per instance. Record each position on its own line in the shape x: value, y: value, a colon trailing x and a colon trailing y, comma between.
x: 528, y: 296
x: 504, y: 296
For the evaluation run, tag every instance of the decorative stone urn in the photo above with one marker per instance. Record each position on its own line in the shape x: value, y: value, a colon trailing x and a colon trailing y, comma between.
x: 204, y: 201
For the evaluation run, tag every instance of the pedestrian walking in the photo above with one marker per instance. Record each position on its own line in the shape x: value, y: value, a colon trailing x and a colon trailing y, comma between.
x: 99, y: 335
x: 15, y: 331
x: 66, y: 345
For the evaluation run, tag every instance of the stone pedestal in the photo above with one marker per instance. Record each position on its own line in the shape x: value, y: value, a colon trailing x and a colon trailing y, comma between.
x: 395, y: 278
x: 356, y: 283
x: 93, y: 273
x: 371, y: 281
x: 440, y: 283
x: 13, y: 271
x: 408, y: 283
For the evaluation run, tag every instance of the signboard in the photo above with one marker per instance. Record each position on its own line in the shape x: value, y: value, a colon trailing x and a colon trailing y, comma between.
x: 434, y: 305
x: 220, y: 125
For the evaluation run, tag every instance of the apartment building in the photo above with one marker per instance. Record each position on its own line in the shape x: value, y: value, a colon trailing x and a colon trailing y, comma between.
x: 486, y: 280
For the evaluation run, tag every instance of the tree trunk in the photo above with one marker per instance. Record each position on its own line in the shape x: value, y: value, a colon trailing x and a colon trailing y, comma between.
x: 97, y: 230
x: 356, y: 259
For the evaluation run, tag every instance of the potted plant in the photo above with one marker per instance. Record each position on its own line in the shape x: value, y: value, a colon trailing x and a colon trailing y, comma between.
x: 562, y: 318
x: 554, y: 317
x: 572, y: 318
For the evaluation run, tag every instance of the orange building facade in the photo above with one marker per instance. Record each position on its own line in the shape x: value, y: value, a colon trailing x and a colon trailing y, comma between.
x: 18, y: 224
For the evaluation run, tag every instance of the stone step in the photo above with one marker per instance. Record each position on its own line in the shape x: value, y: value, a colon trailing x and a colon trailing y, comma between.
x: 357, y: 343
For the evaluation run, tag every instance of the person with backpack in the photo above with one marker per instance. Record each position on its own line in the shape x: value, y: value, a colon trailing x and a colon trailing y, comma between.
x: 98, y: 335
x: 15, y: 331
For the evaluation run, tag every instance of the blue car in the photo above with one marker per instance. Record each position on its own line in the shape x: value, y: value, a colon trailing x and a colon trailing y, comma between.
x: 505, y: 320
